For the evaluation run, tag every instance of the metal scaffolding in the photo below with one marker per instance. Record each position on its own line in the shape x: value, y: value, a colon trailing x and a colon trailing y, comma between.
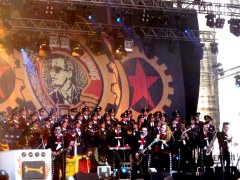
x: 54, y: 26
x: 232, y: 10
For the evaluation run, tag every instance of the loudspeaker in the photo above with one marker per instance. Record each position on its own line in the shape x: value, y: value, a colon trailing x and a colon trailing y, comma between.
x: 27, y: 164
x: 90, y: 176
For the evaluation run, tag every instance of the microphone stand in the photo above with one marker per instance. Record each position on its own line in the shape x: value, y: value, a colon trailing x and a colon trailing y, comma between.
x: 42, y: 141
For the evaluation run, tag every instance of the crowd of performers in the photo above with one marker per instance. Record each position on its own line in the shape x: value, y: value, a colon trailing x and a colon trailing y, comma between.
x: 152, y: 139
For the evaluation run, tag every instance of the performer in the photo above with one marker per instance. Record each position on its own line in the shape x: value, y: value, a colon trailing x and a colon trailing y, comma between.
x: 224, y: 138
x: 206, y: 140
x: 163, y: 148
x: 58, y: 144
x: 182, y: 147
x: 141, y: 158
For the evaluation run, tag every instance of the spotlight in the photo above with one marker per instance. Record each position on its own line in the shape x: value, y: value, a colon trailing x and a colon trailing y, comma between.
x: 117, y: 15
x: 214, y: 48
x: 182, y: 22
x: 219, y: 68
x: 89, y: 14
x: 123, y: 173
x: 3, y: 175
x: 128, y: 45
x: 77, y: 50
x: 234, y: 26
x: 44, y: 49
x: 89, y: 17
x: 219, y: 23
x: 145, y: 17
x: 237, y: 80
x: 210, y: 20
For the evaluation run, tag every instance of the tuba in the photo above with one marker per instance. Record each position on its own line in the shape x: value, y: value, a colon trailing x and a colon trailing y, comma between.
x: 211, y: 144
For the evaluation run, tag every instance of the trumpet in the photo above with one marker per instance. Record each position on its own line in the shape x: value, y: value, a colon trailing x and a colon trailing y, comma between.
x: 184, y: 134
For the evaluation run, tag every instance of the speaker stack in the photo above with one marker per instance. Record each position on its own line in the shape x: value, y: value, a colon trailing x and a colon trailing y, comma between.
x: 29, y: 164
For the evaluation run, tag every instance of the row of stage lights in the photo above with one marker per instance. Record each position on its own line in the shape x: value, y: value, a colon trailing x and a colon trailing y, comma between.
x: 213, y: 22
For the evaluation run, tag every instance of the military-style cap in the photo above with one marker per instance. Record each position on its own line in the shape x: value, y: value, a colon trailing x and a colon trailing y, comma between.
x: 97, y: 109
x: 41, y: 109
x: 151, y: 115
x: 86, y: 108
x: 140, y: 116
x: 23, y: 109
x: 112, y: 110
x: 128, y: 111
x: 176, y: 113
x: 207, y: 118
x: 124, y: 115
x: 94, y: 114
x: 145, y: 110
x: 73, y: 110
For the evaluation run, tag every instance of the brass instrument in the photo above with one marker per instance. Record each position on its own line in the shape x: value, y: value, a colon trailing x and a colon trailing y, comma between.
x: 184, y: 134
x: 211, y: 144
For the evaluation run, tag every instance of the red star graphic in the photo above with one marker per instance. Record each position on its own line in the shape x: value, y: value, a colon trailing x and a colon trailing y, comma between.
x: 141, y: 83
x: 3, y: 69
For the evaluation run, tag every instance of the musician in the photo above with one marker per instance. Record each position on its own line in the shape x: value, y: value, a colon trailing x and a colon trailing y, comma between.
x: 13, y: 136
x: 109, y: 123
x: 130, y: 119
x: 58, y: 144
x: 193, y: 135
x: 35, y: 140
x: 141, y: 158
x: 205, y: 139
x: 41, y: 116
x: 85, y: 112
x: 198, y: 122
x: 118, y: 135
x: 72, y: 114
x: 104, y: 140
x: 81, y: 120
x: 182, y: 146
x: 224, y: 138
x: 158, y: 128
x: 163, y: 148
x: 112, y: 113
x: 91, y: 137
x: 98, y: 110
x: 78, y: 135
x: 141, y: 121
x: 151, y: 124
x: 145, y: 114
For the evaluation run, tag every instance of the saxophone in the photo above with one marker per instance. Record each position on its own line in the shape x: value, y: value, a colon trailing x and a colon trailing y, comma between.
x: 211, y: 144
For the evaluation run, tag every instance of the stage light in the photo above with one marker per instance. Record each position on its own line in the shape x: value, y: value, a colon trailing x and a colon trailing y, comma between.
x: 128, y: 45
x: 234, y: 26
x: 219, y: 23
x: 219, y: 69
x: 3, y: 175
x: 123, y: 173
x: 118, y: 19
x: 44, y: 49
x: 76, y: 49
x: 210, y: 20
x: 89, y: 17
x: 182, y: 22
x: 214, y: 47
x: 237, y: 80
x: 117, y: 15
x: 22, y: 50
x: 89, y: 14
